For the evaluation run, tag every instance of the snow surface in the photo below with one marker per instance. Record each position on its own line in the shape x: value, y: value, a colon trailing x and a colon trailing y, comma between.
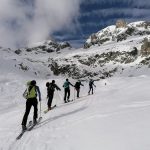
x: 115, y: 117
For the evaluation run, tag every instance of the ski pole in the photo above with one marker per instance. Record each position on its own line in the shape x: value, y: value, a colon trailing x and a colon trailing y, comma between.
x: 74, y: 93
x: 58, y: 96
x: 40, y: 110
x: 94, y: 89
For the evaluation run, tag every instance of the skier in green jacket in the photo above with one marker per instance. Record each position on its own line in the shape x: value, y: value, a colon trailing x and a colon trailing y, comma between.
x: 31, y: 95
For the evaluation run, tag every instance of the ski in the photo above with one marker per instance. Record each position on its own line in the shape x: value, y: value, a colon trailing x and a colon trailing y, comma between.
x: 30, y: 126
x: 70, y: 100
x: 23, y: 131
x: 34, y: 124
x: 47, y: 110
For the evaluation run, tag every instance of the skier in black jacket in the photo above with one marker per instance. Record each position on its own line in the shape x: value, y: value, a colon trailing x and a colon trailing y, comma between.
x: 77, y: 87
x: 50, y: 92
x: 91, y: 84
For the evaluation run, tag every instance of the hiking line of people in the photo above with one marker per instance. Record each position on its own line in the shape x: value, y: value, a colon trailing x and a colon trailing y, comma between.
x: 33, y: 91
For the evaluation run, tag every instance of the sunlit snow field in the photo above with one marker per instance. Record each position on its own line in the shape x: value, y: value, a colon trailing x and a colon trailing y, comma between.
x: 116, y: 117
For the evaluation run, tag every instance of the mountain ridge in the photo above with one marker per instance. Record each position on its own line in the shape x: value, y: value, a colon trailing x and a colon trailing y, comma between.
x: 127, y: 57
x: 119, y: 32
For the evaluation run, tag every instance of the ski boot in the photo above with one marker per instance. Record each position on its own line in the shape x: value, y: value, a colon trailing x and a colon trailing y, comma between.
x: 24, y: 128
x: 34, y: 121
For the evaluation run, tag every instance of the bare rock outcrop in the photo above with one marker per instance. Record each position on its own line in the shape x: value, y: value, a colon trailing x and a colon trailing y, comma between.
x: 145, y: 48
x: 121, y: 23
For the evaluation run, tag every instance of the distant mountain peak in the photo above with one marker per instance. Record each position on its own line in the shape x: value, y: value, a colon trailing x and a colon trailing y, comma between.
x: 119, y: 32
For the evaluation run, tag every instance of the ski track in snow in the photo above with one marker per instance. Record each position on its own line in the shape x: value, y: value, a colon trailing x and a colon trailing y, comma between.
x: 122, y: 103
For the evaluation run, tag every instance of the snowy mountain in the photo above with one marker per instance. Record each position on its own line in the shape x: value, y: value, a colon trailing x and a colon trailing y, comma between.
x: 115, y: 117
x: 117, y: 56
x: 32, y: 60
x: 119, y: 32
x: 48, y: 46
x: 129, y: 57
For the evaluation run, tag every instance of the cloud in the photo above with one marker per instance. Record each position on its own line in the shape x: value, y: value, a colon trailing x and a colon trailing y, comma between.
x: 106, y: 12
x: 23, y: 22
x: 138, y: 3
x: 132, y: 12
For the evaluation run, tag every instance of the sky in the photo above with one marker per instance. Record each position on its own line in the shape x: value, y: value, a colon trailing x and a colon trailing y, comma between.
x: 24, y: 22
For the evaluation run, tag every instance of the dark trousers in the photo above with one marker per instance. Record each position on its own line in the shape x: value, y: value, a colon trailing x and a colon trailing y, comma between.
x: 50, y: 99
x: 78, y: 91
x: 29, y: 103
x: 67, y: 94
x: 90, y: 89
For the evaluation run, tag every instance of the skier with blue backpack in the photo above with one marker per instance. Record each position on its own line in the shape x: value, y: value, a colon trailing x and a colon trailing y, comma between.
x: 66, y: 86
x: 31, y: 96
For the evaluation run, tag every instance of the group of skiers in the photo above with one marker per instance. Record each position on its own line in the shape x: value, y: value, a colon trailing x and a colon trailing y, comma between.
x: 33, y: 90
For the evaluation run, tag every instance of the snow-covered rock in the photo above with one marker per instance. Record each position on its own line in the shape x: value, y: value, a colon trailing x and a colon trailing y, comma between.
x: 145, y: 48
x: 110, y: 59
x: 118, y: 32
x: 46, y: 47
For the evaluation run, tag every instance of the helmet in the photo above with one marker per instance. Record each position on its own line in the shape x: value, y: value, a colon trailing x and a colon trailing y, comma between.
x: 33, y: 82
x: 47, y: 84
x: 53, y: 81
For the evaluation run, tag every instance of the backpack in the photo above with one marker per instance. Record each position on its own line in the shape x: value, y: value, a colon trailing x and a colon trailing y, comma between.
x: 77, y: 85
x: 91, y: 83
x: 66, y: 84
x: 51, y: 87
x: 25, y: 94
x: 30, y: 92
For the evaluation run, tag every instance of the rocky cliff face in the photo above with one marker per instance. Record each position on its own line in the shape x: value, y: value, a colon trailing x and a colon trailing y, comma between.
x: 121, y: 24
x: 145, y: 48
x: 115, y: 50
x: 95, y: 65
x: 119, y: 32
x: 45, y: 47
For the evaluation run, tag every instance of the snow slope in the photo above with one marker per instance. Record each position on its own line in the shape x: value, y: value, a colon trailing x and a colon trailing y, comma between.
x: 123, y: 58
x: 115, y: 117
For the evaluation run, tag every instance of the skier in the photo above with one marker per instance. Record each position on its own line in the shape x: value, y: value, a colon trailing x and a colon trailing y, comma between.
x: 91, y: 84
x: 77, y: 87
x: 50, y: 92
x: 67, y: 90
x: 31, y: 95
